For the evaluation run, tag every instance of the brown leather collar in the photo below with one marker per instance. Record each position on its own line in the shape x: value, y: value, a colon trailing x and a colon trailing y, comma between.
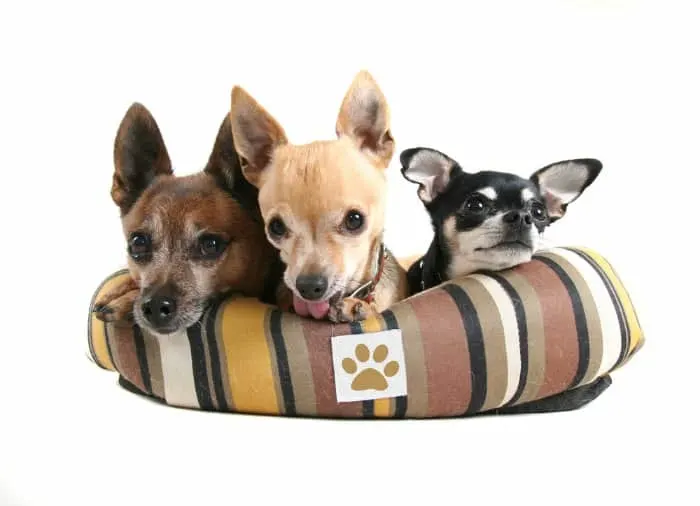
x: 366, y: 291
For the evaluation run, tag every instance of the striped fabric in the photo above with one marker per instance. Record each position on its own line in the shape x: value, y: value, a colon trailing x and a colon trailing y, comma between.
x: 486, y: 341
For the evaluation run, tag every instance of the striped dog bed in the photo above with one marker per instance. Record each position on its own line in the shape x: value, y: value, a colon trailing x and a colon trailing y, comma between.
x: 543, y: 336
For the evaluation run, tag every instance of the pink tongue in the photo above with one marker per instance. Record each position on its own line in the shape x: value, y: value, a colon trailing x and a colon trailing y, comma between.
x: 318, y: 310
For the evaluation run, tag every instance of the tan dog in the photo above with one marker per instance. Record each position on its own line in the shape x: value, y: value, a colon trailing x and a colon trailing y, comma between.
x: 189, y: 238
x: 323, y: 203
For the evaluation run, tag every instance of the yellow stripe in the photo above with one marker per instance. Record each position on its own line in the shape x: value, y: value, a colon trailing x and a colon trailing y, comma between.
x: 382, y: 407
x: 636, y: 334
x: 248, y: 357
x: 98, y: 335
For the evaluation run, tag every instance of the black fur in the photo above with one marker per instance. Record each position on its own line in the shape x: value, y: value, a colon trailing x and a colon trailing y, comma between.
x: 451, y: 201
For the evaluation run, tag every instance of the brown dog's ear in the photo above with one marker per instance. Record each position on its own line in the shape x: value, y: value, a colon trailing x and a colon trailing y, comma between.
x: 364, y: 117
x: 224, y: 165
x: 563, y: 182
x: 430, y: 169
x: 256, y: 134
x: 139, y: 156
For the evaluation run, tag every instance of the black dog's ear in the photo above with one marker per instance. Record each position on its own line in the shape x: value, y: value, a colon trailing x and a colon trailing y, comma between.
x: 563, y: 182
x: 139, y: 156
x: 430, y: 169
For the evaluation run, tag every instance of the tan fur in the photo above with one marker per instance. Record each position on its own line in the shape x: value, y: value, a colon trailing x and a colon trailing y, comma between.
x: 312, y: 187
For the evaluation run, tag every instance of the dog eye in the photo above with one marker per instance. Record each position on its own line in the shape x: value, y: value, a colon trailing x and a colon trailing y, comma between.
x: 276, y: 228
x: 538, y: 211
x: 211, y: 246
x: 353, y: 221
x: 475, y: 205
x: 140, y: 247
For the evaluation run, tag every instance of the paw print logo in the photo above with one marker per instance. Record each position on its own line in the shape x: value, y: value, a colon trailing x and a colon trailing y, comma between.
x: 370, y: 377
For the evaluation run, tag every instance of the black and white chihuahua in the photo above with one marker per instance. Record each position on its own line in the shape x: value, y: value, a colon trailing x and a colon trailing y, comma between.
x: 487, y: 221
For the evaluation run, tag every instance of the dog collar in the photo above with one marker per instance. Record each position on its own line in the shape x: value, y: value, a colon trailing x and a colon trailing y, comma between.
x: 366, y: 291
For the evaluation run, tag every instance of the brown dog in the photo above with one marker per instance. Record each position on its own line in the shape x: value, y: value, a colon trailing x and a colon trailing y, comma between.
x: 323, y: 203
x: 189, y: 238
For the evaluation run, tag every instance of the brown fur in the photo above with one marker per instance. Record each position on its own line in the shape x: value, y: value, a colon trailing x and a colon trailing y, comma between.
x: 174, y: 212
x: 312, y: 187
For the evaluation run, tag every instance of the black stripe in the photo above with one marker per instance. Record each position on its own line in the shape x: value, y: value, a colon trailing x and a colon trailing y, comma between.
x: 282, y: 362
x: 143, y: 359
x: 584, y: 345
x: 199, y: 367
x: 624, y: 312
x: 475, y: 343
x: 214, y: 357
x: 367, y: 406
x: 400, y: 403
x: 521, y: 317
x: 617, y: 304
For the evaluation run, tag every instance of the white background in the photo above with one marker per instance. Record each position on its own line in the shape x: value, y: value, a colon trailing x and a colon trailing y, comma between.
x: 500, y: 85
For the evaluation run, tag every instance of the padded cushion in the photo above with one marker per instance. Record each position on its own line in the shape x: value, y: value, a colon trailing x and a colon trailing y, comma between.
x: 519, y: 340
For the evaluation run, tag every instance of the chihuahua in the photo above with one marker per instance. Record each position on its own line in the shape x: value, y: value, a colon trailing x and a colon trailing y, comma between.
x: 487, y: 221
x: 189, y: 238
x: 323, y: 203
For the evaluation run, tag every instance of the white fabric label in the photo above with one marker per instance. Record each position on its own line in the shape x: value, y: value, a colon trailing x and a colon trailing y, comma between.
x: 369, y: 366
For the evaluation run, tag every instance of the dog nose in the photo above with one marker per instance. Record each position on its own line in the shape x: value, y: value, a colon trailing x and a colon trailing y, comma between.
x: 312, y: 287
x: 515, y: 218
x: 159, y: 310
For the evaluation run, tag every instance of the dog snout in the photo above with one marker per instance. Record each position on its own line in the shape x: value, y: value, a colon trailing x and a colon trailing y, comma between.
x: 159, y: 309
x: 312, y: 286
x: 517, y: 218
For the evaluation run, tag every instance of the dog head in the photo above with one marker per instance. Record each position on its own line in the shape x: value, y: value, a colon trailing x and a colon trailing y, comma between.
x: 492, y: 220
x: 323, y: 202
x: 191, y: 237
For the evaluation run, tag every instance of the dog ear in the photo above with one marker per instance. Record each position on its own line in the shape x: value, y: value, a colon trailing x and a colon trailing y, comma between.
x: 139, y: 156
x: 224, y: 165
x: 430, y: 169
x: 364, y: 117
x: 256, y: 134
x: 563, y: 182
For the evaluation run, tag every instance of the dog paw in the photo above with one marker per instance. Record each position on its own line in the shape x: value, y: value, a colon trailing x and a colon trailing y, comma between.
x: 349, y: 310
x: 119, y: 309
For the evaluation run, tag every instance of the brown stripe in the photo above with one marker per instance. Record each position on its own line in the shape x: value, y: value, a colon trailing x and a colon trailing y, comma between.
x: 561, y: 340
x: 122, y: 343
x: 535, y: 334
x: 416, y: 376
x: 494, y: 342
x: 318, y: 344
x: 154, y: 365
x: 595, y: 330
x: 299, y: 366
x: 446, y: 356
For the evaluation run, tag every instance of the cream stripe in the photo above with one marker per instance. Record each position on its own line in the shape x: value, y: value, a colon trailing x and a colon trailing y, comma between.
x: 509, y: 321
x: 178, y: 378
x: 609, y: 324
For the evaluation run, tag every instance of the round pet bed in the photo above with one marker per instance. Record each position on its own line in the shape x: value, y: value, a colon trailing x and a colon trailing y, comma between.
x: 542, y: 336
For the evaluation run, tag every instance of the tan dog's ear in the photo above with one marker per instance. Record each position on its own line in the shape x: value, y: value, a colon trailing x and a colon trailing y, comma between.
x: 139, y: 156
x: 256, y: 134
x: 364, y: 117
